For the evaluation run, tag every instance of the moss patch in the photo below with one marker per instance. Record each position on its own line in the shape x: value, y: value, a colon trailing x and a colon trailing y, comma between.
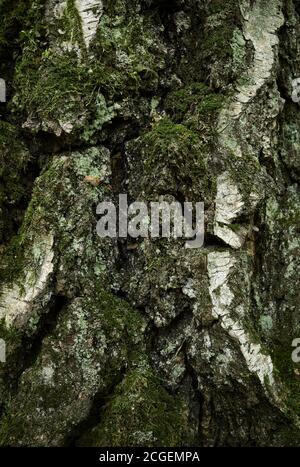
x: 15, y: 187
x: 195, y: 99
x: 141, y: 413
x: 59, y: 84
x: 174, y: 160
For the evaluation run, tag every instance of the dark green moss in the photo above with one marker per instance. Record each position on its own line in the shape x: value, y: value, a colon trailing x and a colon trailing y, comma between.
x: 118, y: 316
x: 141, y: 412
x: 12, y: 261
x: 71, y: 22
x: 167, y: 140
x: 16, y: 352
x: 14, y: 186
x: 289, y: 374
x: 51, y: 82
x: 16, y: 16
x: 174, y: 160
x: 195, y: 99
x: 218, y: 42
x: 131, y: 45
x: 53, y: 86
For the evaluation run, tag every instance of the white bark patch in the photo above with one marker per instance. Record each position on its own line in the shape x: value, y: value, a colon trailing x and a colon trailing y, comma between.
x: 90, y: 12
x: 189, y: 289
x: 261, y: 22
x: 16, y: 302
x: 2, y: 90
x: 67, y: 127
x: 229, y: 204
x: 220, y: 266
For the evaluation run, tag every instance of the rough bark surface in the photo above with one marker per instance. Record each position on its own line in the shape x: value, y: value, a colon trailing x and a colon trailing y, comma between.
x: 113, y: 342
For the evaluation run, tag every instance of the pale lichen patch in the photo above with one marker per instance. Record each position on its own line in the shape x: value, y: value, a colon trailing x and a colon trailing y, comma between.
x: 48, y: 373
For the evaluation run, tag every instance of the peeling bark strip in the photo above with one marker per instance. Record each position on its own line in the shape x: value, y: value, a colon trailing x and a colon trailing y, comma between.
x: 140, y: 341
x: 90, y: 12
x: 17, y: 301
x: 219, y: 268
x: 261, y: 22
x: 229, y: 204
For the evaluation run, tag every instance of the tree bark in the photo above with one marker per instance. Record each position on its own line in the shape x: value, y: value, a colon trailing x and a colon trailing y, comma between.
x: 124, y: 342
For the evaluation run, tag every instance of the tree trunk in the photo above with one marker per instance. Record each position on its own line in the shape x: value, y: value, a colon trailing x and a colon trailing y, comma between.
x: 144, y: 342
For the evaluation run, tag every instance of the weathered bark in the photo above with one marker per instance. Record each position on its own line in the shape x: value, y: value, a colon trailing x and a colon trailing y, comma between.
x: 112, y: 342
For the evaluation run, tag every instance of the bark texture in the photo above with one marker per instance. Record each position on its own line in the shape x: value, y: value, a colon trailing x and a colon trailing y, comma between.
x: 113, y: 342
